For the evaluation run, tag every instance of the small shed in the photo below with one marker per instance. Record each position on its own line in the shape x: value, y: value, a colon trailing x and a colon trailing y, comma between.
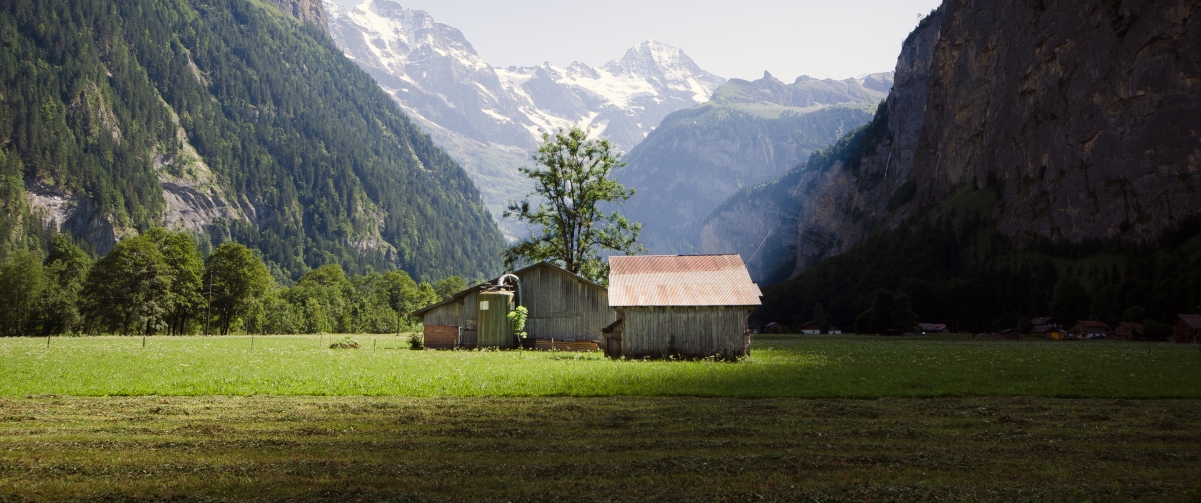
x: 1089, y: 329
x: 933, y: 328
x: 1126, y: 331
x: 811, y: 328
x: 684, y: 305
x: 1046, y: 321
x: 1187, y: 329
x: 566, y: 311
x: 834, y: 331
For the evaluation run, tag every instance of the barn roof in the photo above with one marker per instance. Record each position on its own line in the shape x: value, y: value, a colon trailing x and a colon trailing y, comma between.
x: 1193, y: 320
x: 492, y: 282
x: 681, y: 280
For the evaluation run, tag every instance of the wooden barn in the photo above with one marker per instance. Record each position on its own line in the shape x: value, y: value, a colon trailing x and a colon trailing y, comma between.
x: 563, y: 307
x: 1187, y: 329
x: 680, y: 305
x: 811, y: 328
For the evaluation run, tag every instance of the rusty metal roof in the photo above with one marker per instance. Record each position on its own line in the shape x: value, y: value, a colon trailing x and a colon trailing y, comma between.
x: 681, y: 280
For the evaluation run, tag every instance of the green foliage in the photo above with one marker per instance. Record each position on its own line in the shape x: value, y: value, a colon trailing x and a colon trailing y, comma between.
x: 236, y: 281
x: 129, y: 289
x: 66, y: 270
x: 570, y: 228
x: 957, y: 269
x: 517, y: 318
x: 22, y: 280
x: 322, y: 160
x: 416, y: 342
x: 447, y: 287
x: 819, y: 316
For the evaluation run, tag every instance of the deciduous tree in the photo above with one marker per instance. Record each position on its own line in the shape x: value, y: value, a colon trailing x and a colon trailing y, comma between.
x: 571, y: 182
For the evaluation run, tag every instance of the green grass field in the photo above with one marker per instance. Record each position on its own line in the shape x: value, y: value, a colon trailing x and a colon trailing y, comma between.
x: 337, y: 449
x: 780, y: 366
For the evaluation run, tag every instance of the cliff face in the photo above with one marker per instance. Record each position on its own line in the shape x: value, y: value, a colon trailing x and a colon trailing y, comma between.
x: 825, y: 207
x: 1084, y: 113
x: 308, y: 11
x: 1083, y: 116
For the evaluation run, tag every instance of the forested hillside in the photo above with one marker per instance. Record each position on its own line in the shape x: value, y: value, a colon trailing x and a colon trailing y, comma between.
x: 228, y: 119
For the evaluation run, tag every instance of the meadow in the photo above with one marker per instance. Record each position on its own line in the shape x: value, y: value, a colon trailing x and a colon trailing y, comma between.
x: 803, y: 418
x: 779, y: 366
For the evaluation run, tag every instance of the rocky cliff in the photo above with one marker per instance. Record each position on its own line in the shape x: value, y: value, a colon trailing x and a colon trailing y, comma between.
x: 1081, y: 116
x: 308, y: 11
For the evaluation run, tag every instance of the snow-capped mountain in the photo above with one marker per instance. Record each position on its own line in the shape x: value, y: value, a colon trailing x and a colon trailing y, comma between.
x: 434, y: 72
x: 491, y: 119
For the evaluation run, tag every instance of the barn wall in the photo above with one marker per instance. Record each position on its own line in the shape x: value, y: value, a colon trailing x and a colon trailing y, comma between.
x: 449, y: 314
x: 562, y: 306
x: 694, y: 331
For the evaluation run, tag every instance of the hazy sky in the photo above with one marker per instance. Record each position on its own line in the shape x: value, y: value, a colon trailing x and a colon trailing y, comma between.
x: 740, y: 39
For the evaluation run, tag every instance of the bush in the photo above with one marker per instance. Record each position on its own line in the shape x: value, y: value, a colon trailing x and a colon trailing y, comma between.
x: 416, y: 342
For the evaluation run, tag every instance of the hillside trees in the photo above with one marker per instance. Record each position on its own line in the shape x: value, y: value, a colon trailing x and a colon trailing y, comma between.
x: 98, y: 97
x: 572, y: 180
x: 21, y: 283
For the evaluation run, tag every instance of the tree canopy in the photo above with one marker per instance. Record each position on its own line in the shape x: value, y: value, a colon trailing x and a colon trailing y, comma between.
x: 571, y: 181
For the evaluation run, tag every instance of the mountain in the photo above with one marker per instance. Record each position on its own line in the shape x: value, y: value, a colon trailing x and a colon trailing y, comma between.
x: 749, y: 133
x: 232, y: 120
x: 1031, y: 157
x: 491, y: 119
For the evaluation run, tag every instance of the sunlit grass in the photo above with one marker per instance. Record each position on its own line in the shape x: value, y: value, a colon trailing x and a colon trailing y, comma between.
x: 780, y: 366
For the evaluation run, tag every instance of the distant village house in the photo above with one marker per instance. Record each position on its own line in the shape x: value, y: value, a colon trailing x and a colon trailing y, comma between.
x: 1126, y: 331
x: 1187, y: 329
x: 811, y: 328
x: 932, y: 328
x: 1089, y: 329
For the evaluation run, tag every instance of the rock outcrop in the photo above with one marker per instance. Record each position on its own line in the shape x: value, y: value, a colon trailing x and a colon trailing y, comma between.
x: 1082, y: 116
x: 308, y: 11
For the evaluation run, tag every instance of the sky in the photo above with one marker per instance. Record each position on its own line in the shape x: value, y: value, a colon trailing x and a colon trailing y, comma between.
x: 823, y: 39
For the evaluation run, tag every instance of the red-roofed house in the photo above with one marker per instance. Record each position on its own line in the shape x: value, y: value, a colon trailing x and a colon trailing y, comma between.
x: 811, y: 328
x: 684, y: 305
x: 1187, y: 328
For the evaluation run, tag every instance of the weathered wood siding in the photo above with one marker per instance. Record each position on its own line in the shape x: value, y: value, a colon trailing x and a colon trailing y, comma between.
x: 449, y: 314
x: 562, y: 306
x: 494, y: 328
x: 686, y: 331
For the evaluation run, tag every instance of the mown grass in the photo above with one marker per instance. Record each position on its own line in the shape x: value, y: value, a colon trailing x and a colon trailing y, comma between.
x: 597, y: 449
x: 780, y: 366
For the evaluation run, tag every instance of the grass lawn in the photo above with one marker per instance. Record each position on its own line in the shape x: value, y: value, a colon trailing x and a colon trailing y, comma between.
x: 779, y: 366
x: 273, y: 448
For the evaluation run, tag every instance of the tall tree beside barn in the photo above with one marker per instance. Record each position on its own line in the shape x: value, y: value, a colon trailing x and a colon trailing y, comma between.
x: 571, y: 181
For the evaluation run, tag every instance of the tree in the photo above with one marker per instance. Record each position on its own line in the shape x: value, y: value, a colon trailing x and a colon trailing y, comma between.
x: 21, y: 284
x: 129, y: 288
x: 1069, y: 300
x: 66, y: 269
x: 819, y: 316
x: 902, y: 318
x: 237, y: 280
x: 182, y: 256
x: 449, y: 286
x: 572, y: 180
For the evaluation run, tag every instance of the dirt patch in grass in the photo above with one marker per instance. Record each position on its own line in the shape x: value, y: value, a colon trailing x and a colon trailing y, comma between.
x: 597, y: 449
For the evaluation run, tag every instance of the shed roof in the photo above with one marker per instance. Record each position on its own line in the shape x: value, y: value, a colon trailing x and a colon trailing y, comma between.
x: 492, y: 282
x: 1193, y: 320
x: 1044, y: 320
x: 681, y: 280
